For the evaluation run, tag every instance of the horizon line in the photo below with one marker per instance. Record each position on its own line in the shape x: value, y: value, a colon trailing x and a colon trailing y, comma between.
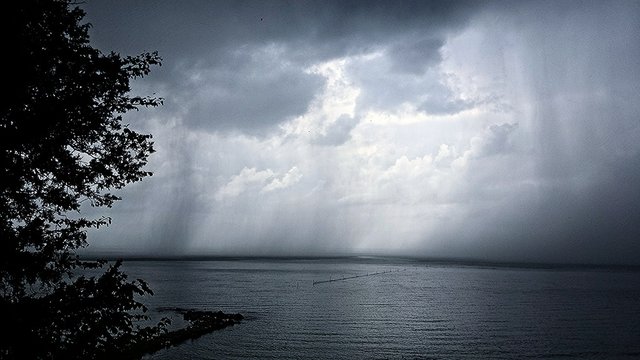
x: 473, y: 262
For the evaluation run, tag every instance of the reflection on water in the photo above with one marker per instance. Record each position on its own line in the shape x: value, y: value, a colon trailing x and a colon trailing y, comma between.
x: 427, y: 311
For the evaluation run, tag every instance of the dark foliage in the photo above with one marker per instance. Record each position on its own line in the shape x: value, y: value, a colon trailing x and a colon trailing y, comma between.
x: 63, y: 145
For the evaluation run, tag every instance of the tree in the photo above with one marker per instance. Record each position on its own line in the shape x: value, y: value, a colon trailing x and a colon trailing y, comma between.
x: 64, y: 145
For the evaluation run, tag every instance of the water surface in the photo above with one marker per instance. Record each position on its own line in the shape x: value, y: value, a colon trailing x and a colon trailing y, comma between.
x: 422, y: 310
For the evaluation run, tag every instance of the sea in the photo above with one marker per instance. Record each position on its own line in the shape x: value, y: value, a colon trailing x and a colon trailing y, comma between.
x: 381, y: 308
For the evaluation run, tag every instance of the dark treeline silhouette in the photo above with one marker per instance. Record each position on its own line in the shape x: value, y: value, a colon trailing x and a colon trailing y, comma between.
x: 63, y: 145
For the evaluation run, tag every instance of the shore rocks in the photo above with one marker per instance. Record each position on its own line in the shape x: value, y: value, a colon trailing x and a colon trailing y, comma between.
x: 200, y: 323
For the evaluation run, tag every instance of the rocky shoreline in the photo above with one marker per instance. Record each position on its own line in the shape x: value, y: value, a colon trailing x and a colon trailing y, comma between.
x: 200, y: 322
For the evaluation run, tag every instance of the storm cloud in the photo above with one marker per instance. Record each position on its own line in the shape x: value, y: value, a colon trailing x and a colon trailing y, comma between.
x: 495, y: 130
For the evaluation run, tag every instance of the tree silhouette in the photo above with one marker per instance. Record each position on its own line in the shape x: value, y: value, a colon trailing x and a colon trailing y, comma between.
x: 63, y: 145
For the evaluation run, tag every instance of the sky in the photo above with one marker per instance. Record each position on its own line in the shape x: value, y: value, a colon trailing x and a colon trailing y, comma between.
x: 502, y: 131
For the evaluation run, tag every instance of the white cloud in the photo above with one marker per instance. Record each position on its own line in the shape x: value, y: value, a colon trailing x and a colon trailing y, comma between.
x: 252, y: 179
x: 246, y: 179
x: 291, y: 177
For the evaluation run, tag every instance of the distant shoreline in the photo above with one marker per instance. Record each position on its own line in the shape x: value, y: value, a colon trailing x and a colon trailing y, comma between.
x: 372, y: 259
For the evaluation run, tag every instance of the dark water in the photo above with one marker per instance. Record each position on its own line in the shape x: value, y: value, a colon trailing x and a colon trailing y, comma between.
x: 426, y: 311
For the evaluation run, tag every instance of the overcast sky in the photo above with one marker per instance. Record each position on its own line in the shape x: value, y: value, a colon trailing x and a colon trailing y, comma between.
x: 497, y: 130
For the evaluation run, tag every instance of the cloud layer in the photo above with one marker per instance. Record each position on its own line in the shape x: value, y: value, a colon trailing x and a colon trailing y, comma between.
x: 491, y: 131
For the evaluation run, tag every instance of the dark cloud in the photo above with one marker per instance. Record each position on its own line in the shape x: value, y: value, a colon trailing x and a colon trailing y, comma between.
x: 497, y: 139
x: 384, y: 86
x: 443, y: 102
x: 219, y: 73
x: 253, y: 91
x: 337, y: 132
x: 416, y: 56
x: 194, y: 28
